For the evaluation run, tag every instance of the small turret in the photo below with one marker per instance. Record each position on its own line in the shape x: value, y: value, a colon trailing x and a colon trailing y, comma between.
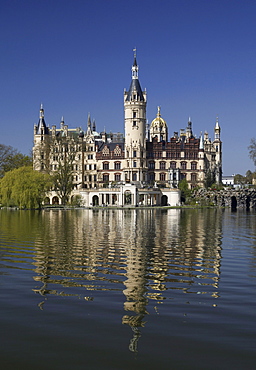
x: 94, y: 125
x: 189, y: 129
x: 62, y: 123
x: 41, y: 127
x: 217, y: 130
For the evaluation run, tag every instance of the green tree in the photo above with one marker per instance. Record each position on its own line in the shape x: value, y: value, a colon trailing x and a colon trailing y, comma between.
x: 63, y: 179
x: 25, y: 188
x: 185, y: 192
x: 239, y: 179
x: 252, y: 150
x: 209, y: 179
x: 249, y: 176
x: 10, y: 159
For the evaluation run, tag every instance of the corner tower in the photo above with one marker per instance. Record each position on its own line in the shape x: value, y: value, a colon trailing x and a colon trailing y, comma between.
x: 135, y: 101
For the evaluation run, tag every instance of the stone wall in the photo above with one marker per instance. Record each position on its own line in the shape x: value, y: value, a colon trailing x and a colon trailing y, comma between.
x: 243, y: 198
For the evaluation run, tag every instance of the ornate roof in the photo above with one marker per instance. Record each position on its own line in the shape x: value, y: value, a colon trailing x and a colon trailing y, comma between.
x: 158, y: 121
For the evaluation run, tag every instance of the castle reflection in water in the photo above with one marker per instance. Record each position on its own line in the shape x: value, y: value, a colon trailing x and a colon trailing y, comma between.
x: 146, y: 254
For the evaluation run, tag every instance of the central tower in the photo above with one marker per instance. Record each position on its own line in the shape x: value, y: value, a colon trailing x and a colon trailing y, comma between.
x: 135, y: 101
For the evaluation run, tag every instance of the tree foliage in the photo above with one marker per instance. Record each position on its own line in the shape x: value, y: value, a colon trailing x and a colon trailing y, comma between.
x: 252, y: 150
x: 10, y: 159
x: 63, y: 179
x: 185, y: 191
x: 209, y: 179
x: 247, y: 179
x: 23, y: 187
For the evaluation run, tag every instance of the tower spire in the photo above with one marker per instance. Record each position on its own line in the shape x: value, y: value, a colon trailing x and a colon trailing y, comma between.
x: 41, y: 126
x: 135, y: 67
x: 89, y: 120
x: 41, y: 114
x: 217, y: 129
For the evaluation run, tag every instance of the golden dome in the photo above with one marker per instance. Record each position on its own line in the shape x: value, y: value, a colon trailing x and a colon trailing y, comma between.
x: 158, y: 121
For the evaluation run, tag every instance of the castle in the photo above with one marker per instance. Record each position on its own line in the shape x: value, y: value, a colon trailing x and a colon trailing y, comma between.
x: 141, y: 167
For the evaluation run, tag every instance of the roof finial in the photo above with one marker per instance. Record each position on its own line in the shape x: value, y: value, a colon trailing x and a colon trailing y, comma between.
x: 134, y: 59
x: 89, y: 120
x: 135, y: 67
x: 159, y: 111
x: 41, y: 111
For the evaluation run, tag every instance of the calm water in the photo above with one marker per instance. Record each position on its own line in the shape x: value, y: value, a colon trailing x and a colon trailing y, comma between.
x: 128, y: 289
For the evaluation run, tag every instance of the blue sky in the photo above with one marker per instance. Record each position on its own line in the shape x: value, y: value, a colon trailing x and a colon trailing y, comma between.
x: 197, y: 59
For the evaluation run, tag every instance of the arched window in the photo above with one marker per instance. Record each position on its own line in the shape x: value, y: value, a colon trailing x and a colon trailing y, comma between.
x: 193, y: 165
x: 193, y: 177
x: 117, y: 165
x: 151, y: 165
x: 105, y: 177
x: 117, y: 177
x: 105, y: 165
x: 162, y: 176
x: 151, y: 176
x: 162, y: 165
x: 183, y: 165
x: 173, y: 165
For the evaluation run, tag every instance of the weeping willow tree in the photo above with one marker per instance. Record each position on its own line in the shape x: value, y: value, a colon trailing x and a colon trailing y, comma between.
x: 24, y: 188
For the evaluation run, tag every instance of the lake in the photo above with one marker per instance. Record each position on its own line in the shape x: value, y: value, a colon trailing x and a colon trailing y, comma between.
x: 128, y: 289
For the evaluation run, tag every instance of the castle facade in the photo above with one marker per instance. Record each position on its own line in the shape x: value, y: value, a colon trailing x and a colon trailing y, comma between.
x: 143, y: 158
